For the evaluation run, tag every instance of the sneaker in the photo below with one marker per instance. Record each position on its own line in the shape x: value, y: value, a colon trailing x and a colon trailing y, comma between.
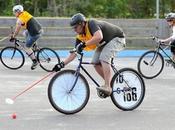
x: 34, y: 64
x: 105, y: 89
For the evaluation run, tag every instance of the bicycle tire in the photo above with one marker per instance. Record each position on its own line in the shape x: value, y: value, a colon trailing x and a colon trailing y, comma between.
x: 150, y: 64
x: 47, y: 58
x: 12, y: 58
x: 128, y: 89
x: 60, y: 96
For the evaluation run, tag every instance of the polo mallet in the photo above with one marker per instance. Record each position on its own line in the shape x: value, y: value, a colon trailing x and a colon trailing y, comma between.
x: 11, y: 100
x: 3, y: 39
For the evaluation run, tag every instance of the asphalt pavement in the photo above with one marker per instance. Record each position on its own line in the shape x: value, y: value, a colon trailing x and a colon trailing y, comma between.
x: 34, y: 111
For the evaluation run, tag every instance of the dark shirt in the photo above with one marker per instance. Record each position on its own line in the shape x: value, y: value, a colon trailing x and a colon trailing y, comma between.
x: 109, y: 30
x: 33, y: 26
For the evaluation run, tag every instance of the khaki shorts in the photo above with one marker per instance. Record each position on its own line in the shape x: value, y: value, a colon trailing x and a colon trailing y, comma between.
x: 106, y: 52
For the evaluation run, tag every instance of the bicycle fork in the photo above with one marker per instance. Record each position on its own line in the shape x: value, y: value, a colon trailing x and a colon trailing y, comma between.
x: 74, y: 82
x: 13, y: 53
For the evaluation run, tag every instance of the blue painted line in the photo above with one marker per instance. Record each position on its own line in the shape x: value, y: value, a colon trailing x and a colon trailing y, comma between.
x: 124, y: 53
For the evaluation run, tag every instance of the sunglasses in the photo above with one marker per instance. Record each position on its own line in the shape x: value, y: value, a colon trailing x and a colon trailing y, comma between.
x: 75, y: 27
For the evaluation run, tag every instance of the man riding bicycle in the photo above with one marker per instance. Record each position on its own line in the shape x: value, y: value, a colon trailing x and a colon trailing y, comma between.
x: 32, y: 30
x: 102, y: 36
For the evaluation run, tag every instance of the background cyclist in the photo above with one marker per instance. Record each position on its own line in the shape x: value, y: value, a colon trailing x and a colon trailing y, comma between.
x: 32, y: 30
x: 170, y: 18
x: 102, y: 36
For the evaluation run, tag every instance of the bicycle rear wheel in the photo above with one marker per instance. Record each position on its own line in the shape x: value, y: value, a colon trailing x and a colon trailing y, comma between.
x: 12, y: 58
x: 150, y: 64
x: 62, y: 98
x: 48, y: 58
x: 128, y: 89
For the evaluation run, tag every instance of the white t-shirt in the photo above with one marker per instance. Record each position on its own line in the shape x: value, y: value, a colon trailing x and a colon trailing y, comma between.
x: 19, y: 22
x: 173, y: 35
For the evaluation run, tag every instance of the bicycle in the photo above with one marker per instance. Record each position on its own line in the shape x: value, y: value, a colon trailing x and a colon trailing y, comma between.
x: 13, y: 58
x: 68, y: 90
x: 151, y: 63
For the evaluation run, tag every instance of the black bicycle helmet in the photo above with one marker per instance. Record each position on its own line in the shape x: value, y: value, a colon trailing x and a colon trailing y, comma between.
x: 170, y: 16
x: 77, y: 19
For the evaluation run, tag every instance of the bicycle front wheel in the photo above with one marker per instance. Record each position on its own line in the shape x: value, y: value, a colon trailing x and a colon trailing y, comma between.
x: 47, y: 58
x: 150, y: 64
x: 12, y: 58
x: 63, y: 97
x: 128, y: 89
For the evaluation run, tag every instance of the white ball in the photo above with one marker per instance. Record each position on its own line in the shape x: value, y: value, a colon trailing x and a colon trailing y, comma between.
x: 9, y: 101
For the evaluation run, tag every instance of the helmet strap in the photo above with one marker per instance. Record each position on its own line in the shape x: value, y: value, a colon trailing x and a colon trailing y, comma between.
x: 83, y: 24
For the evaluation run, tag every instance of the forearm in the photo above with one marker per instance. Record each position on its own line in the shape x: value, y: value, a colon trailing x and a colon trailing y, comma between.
x: 97, y: 37
x: 69, y: 58
x: 17, y: 29
x: 167, y: 39
x: 93, y: 40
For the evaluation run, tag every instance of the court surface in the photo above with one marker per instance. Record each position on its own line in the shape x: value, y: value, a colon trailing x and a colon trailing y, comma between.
x: 34, y: 112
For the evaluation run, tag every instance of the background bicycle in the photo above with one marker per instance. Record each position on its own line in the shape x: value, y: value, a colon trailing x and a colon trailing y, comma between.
x: 151, y: 63
x: 69, y: 92
x: 13, y: 57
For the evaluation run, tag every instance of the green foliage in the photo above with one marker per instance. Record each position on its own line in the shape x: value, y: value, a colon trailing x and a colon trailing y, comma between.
x: 91, y: 8
x: 6, y: 7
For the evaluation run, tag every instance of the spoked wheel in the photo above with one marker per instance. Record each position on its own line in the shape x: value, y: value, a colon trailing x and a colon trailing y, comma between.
x: 48, y: 58
x: 63, y: 96
x: 150, y: 64
x: 128, y: 89
x: 12, y: 58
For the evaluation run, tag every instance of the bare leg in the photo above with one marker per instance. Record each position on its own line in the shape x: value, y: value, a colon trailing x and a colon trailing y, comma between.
x: 32, y: 57
x: 107, y: 72
x: 30, y: 53
x: 99, y: 70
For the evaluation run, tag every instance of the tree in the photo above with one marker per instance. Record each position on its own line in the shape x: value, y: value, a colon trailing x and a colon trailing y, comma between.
x: 91, y: 8
x: 52, y: 7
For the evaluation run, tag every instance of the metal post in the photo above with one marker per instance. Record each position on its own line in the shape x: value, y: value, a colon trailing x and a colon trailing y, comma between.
x: 157, y: 9
x: 157, y: 19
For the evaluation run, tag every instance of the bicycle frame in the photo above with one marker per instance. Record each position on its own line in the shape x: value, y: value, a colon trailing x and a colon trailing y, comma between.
x: 18, y: 45
x: 80, y: 66
x: 78, y: 71
x: 35, y: 48
x: 158, y: 48
x: 21, y: 47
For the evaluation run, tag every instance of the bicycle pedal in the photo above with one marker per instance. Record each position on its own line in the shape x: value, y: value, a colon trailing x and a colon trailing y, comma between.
x: 101, y: 94
x: 48, y: 59
x: 146, y: 63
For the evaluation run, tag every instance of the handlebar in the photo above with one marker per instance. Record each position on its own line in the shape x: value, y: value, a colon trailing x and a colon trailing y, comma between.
x: 158, y: 42
x: 17, y: 40
x: 156, y: 39
x: 75, y: 51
